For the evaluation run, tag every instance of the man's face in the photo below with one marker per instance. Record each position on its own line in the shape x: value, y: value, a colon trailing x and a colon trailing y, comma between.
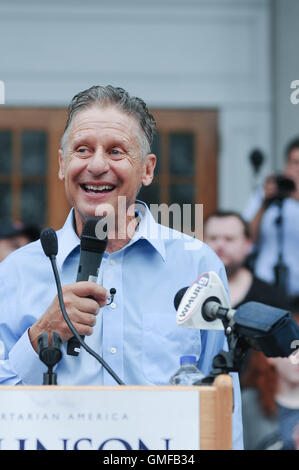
x: 103, y: 161
x: 292, y: 166
x: 225, y: 235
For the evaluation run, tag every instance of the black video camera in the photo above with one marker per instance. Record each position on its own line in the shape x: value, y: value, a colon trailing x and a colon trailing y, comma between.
x: 285, y: 186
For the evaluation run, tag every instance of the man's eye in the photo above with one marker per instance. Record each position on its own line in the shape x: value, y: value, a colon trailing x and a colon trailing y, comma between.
x: 116, y: 153
x: 83, y: 151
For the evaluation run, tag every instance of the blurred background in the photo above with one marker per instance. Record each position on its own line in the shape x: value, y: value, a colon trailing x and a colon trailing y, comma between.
x: 215, y: 73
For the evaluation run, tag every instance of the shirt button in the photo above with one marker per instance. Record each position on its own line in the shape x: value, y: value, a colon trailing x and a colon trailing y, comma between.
x: 112, y: 261
x: 112, y: 305
x: 113, y: 350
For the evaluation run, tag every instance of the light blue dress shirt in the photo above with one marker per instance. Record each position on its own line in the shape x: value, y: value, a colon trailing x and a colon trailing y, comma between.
x: 137, y: 335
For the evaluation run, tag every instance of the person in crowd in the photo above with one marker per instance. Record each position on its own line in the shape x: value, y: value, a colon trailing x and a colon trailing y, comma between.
x: 273, y: 216
x: 276, y: 381
x: 227, y: 233
x: 104, y: 159
x: 14, y: 235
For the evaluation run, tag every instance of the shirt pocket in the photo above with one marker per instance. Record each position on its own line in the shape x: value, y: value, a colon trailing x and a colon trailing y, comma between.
x: 163, y: 343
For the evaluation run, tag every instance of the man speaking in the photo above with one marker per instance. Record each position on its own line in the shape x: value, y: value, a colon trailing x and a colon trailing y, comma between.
x: 105, y: 157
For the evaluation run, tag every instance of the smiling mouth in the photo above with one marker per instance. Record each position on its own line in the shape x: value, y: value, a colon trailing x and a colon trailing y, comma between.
x: 91, y: 188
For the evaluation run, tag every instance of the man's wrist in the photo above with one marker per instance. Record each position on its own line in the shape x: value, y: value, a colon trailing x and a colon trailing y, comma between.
x: 34, y: 332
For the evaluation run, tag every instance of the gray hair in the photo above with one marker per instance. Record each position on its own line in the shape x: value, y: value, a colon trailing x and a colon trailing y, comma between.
x: 113, y: 96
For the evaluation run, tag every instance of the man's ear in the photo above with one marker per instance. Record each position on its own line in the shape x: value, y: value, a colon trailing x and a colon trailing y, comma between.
x: 61, y: 165
x: 148, y: 169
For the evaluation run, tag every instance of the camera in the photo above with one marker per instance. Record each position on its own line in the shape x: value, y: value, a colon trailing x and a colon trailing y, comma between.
x: 285, y: 186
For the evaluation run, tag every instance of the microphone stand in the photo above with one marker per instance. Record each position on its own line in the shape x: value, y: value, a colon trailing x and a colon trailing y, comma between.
x: 227, y: 361
x: 49, y: 355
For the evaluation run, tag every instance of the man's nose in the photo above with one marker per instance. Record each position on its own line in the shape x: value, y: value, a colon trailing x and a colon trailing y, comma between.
x: 99, y: 162
x: 219, y: 245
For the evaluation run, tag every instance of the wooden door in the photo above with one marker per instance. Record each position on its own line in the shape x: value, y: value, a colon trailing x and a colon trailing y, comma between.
x: 187, y: 150
x: 29, y: 187
x: 186, y: 145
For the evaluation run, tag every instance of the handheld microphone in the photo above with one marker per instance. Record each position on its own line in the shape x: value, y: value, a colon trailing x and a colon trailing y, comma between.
x: 50, y: 246
x: 92, y: 249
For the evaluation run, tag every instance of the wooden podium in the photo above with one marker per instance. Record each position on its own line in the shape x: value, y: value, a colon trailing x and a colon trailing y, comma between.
x: 129, y: 417
x: 216, y: 405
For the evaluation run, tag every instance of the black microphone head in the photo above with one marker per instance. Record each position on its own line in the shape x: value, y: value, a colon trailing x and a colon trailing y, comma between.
x: 89, y: 228
x: 178, y: 297
x: 90, y: 240
x: 48, y: 239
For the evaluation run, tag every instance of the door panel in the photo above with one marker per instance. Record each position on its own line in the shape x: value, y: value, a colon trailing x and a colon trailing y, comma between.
x: 187, y: 150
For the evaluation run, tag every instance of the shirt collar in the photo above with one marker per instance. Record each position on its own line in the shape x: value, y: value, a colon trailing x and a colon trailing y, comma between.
x: 68, y: 239
x: 148, y: 229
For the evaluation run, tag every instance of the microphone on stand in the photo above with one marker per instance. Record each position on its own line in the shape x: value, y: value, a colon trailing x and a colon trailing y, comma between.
x: 205, y: 305
x: 92, y: 249
x: 49, y: 243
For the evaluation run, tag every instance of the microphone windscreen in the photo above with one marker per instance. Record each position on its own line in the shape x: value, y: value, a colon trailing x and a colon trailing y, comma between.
x: 178, y: 297
x: 89, y: 228
x: 90, y: 240
x: 49, y: 241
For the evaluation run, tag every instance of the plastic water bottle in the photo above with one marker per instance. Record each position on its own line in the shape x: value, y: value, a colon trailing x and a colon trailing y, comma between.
x: 188, y: 373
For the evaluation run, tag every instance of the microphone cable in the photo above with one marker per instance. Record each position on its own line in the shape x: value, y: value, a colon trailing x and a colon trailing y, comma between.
x: 49, y: 245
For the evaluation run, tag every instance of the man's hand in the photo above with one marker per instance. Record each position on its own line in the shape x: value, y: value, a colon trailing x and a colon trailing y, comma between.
x: 81, y: 310
x: 270, y: 187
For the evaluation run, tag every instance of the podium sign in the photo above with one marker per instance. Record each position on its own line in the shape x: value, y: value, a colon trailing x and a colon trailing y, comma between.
x: 99, y: 418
